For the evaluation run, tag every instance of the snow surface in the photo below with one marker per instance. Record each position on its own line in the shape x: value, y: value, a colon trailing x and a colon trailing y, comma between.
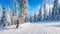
x: 32, y: 28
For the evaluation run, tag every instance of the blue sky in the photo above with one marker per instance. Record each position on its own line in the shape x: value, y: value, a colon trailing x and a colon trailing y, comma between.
x: 33, y: 4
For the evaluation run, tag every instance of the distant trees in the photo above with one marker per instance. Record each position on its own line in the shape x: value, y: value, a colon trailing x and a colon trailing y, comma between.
x: 35, y: 17
x: 31, y: 18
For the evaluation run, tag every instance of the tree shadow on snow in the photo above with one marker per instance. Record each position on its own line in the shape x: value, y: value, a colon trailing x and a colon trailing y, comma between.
x: 5, y: 28
x: 54, y: 26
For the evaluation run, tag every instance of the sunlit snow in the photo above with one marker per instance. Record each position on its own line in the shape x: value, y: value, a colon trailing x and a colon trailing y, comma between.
x: 32, y: 28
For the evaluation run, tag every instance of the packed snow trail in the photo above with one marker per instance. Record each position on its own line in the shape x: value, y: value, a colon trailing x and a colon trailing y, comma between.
x: 32, y: 28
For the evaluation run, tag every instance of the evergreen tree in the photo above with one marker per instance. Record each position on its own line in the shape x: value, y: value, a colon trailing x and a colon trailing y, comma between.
x: 45, y: 12
x: 13, y: 13
x: 49, y: 16
x: 35, y: 16
x: 31, y: 18
x: 3, y: 19
x: 59, y: 13
x: 40, y: 15
x: 55, y: 10
x: 8, y: 16
x: 23, y: 15
x: 0, y: 15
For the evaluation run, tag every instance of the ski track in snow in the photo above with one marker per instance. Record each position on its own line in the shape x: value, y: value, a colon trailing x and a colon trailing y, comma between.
x: 32, y: 28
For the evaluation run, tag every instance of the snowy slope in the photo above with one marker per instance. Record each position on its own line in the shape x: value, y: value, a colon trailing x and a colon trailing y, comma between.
x: 32, y: 28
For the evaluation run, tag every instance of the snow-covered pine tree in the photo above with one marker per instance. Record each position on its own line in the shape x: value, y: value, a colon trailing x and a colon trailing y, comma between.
x: 35, y: 16
x: 13, y: 13
x: 23, y: 15
x: 40, y: 15
x: 59, y: 13
x: 0, y: 15
x: 31, y: 18
x: 49, y: 16
x: 45, y: 12
x: 8, y: 16
x: 3, y: 19
x: 55, y: 10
